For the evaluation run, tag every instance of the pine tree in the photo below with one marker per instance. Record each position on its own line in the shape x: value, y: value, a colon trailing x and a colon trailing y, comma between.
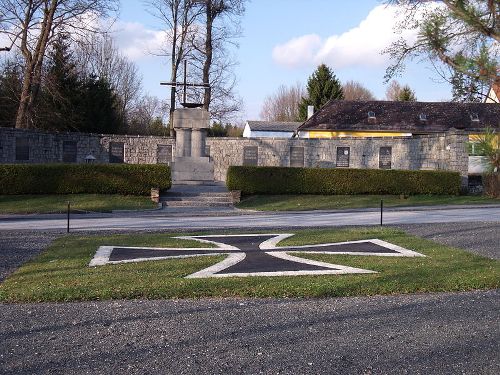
x: 60, y: 103
x: 406, y: 94
x: 322, y: 86
x: 10, y: 91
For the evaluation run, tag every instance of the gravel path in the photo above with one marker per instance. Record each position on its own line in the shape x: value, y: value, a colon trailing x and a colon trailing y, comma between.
x: 415, y: 334
x: 17, y: 248
x: 478, y: 238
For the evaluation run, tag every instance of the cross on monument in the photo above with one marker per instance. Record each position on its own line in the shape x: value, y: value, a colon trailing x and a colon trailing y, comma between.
x: 255, y: 255
x: 185, y: 84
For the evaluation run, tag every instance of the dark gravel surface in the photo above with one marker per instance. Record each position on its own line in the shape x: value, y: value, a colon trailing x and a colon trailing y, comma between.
x: 17, y: 248
x: 412, y: 334
x: 478, y: 238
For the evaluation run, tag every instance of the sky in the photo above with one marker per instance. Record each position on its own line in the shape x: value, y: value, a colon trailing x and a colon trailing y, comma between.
x: 283, y: 42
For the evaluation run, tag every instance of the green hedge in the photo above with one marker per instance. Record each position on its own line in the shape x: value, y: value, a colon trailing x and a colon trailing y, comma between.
x: 282, y: 180
x: 127, y: 179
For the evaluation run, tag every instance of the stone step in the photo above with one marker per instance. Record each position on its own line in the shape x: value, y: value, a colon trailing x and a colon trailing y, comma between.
x: 225, y: 199
x: 167, y: 195
x: 195, y: 204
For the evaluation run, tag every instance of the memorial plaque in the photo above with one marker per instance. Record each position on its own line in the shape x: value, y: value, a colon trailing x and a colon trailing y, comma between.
x: 69, y: 151
x: 251, y: 155
x: 164, y: 154
x: 207, y: 151
x: 385, y: 158
x: 22, y: 149
x: 116, y: 152
x: 296, y: 156
x: 343, y: 154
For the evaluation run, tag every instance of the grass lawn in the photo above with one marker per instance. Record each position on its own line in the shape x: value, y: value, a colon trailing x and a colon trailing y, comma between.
x: 331, y: 202
x: 29, y: 204
x: 61, y: 272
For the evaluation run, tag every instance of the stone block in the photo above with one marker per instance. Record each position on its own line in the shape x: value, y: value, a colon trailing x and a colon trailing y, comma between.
x: 191, y: 118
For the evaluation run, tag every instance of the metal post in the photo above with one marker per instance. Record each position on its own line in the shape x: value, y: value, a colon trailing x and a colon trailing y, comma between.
x: 381, y: 212
x: 69, y: 209
x: 185, y: 80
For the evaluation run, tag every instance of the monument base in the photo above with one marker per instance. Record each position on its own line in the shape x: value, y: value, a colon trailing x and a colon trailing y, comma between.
x: 188, y: 168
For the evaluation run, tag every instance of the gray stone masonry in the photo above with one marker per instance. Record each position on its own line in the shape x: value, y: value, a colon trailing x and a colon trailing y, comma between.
x: 428, y: 152
x: 190, y: 163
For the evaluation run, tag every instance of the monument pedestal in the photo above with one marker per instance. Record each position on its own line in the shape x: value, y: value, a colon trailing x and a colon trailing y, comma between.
x: 190, y: 164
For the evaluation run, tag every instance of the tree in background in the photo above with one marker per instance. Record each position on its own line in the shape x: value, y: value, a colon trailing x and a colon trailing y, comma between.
x: 467, y: 90
x: 397, y: 93
x: 219, y: 130
x: 179, y: 17
x: 10, y: 92
x: 98, y: 56
x: 149, y: 117
x: 322, y: 86
x: 283, y: 105
x: 356, y: 91
x: 32, y: 25
x: 464, y: 35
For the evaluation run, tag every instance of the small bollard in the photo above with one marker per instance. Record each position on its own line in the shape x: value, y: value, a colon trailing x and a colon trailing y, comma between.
x: 381, y: 212
x: 69, y: 209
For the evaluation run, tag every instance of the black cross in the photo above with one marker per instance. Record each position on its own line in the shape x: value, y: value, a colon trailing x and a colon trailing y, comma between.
x: 186, y: 85
x: 256, y: 255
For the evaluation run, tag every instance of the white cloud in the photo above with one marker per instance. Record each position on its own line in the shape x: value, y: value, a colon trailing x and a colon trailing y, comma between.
x: 137, y: 42
x: 360, y: 46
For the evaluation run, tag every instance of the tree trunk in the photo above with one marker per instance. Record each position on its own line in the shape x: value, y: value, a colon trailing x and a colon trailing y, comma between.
x: 208, y: 57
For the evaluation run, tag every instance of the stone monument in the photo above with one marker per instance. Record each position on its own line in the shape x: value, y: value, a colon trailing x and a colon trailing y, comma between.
x: 191, y: 165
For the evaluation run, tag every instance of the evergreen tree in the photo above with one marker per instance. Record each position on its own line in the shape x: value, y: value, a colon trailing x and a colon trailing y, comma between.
x: 322, y: 86
x: 466, y: 89
x: 60, y: 107
x: 406, y: 94
x: 99, y: 108
x: 10, y: 91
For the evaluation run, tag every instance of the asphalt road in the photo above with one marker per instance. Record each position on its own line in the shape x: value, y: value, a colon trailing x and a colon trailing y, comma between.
x: 414, y: 334
x: 258, y: 221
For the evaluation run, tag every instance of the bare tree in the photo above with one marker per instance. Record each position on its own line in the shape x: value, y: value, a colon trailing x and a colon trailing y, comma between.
x: 397, y: 93
x: 99, y: 56
x: 221, y: 28
x: 356, y: 91
x: 146, y: 111
x: 179, y: 17
x: 283, y: 105
x: 31, y: 26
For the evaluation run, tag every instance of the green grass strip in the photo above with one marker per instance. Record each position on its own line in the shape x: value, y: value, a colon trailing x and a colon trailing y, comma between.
x: 30, y: 204
x: 61, y: 273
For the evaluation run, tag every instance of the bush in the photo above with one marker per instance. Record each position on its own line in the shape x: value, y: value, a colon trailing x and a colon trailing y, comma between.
x: 282, y: 180
x: 127, y: 179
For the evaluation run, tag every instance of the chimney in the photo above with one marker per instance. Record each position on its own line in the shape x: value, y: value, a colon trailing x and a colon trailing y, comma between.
x: 310, y: 111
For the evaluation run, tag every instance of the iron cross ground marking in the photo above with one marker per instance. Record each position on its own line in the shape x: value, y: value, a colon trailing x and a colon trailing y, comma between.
x: 255, y: 255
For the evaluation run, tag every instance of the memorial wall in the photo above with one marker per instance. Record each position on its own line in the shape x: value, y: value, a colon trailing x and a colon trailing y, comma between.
x: 429, y: 152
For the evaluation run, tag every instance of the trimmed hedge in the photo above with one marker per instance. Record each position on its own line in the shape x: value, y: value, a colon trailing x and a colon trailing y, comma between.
x: 126, y: 179
x: 283, y: 180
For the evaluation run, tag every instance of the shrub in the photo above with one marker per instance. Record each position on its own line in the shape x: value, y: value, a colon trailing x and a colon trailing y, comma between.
x: 125, y: 179
x: 282, y: 180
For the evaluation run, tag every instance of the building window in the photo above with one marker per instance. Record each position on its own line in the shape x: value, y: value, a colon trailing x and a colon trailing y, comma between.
x: 69, y: 151
x: 343, y: 154
x: 251, y: 155
x: 296, y: 157
x: 164, y: 154
x: 385, y: 158
x: 22, y: 149
x: 116, y: 152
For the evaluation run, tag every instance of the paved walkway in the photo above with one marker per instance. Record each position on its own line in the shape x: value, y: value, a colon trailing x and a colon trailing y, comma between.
x: 158, y: 219
x: 450, y: 333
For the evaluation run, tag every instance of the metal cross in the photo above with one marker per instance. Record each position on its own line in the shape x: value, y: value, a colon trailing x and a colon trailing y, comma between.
x: 255, y: 255
x: 185, y: 84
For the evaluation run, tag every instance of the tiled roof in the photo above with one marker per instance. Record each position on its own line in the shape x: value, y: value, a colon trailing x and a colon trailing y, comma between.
x: 273, y: 126
x: 404, y: 116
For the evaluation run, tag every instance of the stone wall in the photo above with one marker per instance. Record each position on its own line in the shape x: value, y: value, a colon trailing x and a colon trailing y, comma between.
x: 46, y: 147
x: 436, y: 152
x: 428, y: 152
